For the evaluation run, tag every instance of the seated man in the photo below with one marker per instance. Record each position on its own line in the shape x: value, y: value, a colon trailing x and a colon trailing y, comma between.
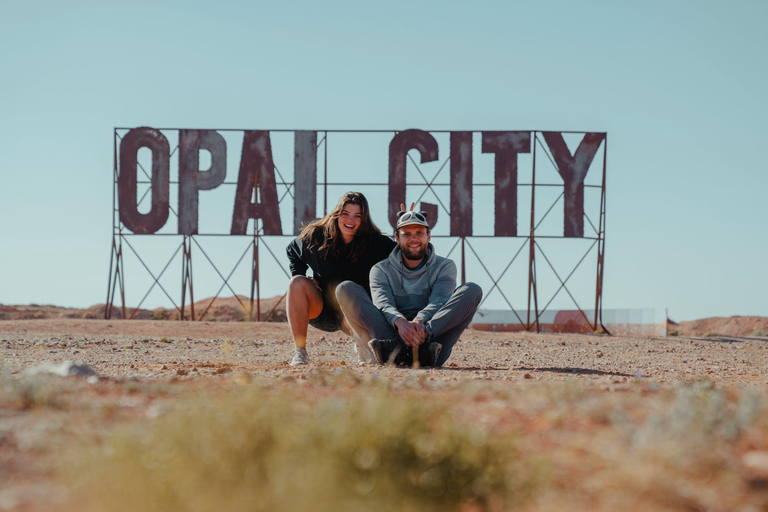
x: 416, y: 305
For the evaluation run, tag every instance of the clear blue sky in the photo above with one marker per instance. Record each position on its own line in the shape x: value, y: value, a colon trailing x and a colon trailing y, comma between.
x: 680, y: 86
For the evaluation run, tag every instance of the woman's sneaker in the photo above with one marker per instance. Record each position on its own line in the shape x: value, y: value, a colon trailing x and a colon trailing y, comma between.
x: 386, y: 351
x: 300, y: 357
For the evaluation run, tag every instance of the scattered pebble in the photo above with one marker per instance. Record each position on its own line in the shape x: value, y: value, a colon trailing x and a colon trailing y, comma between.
x: 62, y: 369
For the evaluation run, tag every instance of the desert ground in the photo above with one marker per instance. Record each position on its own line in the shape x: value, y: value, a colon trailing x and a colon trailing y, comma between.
x: 591, y: 422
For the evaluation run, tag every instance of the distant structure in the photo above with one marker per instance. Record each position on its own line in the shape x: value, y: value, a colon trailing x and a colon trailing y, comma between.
x: 623, y: 322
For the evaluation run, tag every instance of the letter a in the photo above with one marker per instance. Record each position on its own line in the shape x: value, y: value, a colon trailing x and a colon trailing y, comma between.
x: 257, y: 172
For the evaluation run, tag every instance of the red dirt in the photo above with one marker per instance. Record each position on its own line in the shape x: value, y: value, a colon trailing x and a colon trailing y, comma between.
x: 146, y: 366
x: 236, y: 309
x: 719, y: 326
x: 220, y: 309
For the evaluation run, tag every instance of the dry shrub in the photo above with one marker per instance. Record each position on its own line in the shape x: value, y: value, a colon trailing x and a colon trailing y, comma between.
x: 700, y: 414
x: 32, y: 392
x: 682, y: 456
x: 249, y: 451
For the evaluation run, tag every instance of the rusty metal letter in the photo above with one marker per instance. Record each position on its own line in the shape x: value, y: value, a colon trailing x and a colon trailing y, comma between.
x: 401, y: 143
x: 305, y: 179
x: 191, y: 179
x: 506, y: 146
x: 257, y: 173
x: 461, y: 183
x: 144, y: 224
x: 573, y: 169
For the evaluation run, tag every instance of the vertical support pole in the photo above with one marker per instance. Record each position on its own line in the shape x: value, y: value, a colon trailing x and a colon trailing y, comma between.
x: 258, y: 282
x: 111, y: 282
x: 601, y: 245
x: 463, y: 263
x: 325, y: 174
x: 191, y: 287
x: 114, y: 184
x: 121, y: 271
x: 116, y: 279
x: 186, y: 279
x: 183, y: 277
x: 532, y: 291
x: 253, y: 276
x: 113, y: 250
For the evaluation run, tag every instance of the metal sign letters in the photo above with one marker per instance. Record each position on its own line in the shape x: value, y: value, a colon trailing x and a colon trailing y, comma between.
x: 256, y: 192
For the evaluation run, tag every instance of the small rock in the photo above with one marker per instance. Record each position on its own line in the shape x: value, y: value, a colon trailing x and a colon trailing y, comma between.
x: 63, y: 369
x: 164, y: 367
x: 527, y: 376
x: 182, y: 372
x: 223, y: 370
x: 756, y: 462
x: 242, y: 378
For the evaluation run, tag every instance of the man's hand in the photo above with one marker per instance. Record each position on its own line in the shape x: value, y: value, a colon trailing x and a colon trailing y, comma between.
x: 419, y: 322
x: 412, y: 333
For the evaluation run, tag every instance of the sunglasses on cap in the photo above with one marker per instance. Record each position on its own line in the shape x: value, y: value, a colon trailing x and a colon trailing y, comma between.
x: 409, y: 218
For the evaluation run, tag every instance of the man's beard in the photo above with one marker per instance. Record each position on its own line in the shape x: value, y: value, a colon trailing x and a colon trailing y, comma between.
x: 414, y: 254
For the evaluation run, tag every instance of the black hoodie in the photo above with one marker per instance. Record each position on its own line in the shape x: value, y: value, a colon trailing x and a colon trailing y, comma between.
x: 330, y: 271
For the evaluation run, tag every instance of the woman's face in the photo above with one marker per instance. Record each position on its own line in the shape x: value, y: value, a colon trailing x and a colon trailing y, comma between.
x: 349, y: 221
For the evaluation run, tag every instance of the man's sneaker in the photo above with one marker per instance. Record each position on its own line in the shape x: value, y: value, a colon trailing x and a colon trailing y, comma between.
x: 428, y: 353
x: 405, y: 356
x: 386, y: 351
x: 300, y: 357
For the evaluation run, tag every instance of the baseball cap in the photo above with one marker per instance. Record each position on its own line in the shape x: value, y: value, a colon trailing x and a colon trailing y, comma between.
x: 410, y: 218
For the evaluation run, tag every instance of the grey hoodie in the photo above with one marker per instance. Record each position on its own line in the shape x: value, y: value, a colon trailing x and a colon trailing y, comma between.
x: 400, y: 292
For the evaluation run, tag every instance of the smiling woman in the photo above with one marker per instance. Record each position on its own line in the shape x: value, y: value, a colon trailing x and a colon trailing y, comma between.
x: 342, y: 246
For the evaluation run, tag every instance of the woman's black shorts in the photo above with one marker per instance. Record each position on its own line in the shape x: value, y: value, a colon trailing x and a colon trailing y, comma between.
x: 330, y: 318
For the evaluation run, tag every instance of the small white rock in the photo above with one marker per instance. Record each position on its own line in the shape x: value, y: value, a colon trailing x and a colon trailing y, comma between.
x: 62, y: 369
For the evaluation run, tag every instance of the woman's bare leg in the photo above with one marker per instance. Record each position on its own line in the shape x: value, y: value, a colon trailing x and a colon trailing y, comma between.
x: 304, y: 302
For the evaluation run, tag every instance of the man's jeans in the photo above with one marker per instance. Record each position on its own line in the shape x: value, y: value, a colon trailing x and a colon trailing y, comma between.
x: 445, y: 327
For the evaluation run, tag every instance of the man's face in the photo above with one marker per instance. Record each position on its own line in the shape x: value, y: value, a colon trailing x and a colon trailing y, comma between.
x: 413, y: 241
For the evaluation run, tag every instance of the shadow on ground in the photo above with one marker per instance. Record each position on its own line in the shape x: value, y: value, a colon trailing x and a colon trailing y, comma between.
x: 730, y: 339
x: 578, y: 371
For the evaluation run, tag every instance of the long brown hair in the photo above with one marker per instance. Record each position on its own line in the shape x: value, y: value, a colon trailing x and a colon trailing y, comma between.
x: 332, y: 241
